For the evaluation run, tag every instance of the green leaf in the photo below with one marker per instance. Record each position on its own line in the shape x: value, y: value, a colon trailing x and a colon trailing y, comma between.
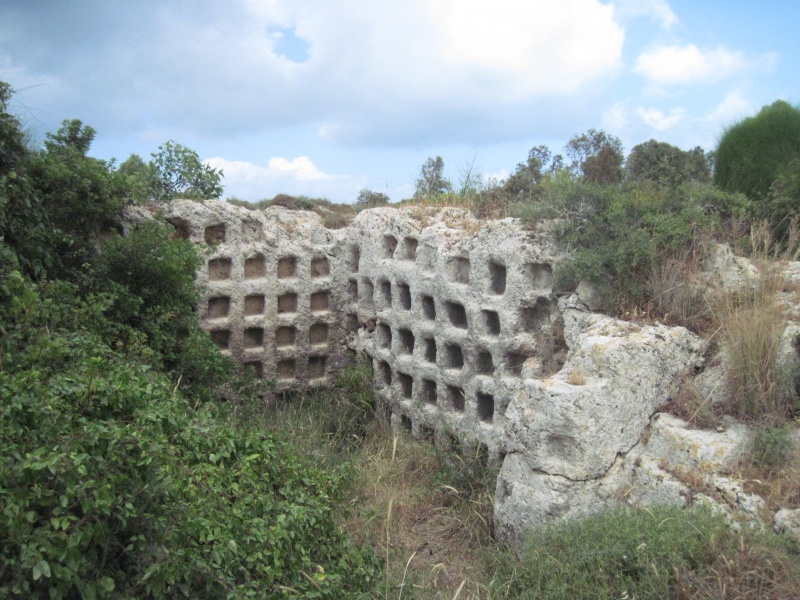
x: 107, y: 584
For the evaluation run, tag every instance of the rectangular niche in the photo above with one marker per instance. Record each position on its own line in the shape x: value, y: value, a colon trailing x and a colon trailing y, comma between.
x: 352, y: 290
x: 406, y: 385
x: 384, y: 336
x: 318, y: 334
x: 320, y: 301
x: 534, y: 317
x: 389, y: 246
x: 539, y: 276
x: 254, y: 368
x: 253, y: 305
x: 406, y: 341
x: 287, y: 303
x: 287, y: 267
x: 490, y: 322
x: 497, y: 278
x: 285, y: 336
x: 320, y: 267
x: 410, y: 244
x: 455, y: 397
x: 430, y: 350
x: 458, y: 269
x: 253, y: 337
x: 351, y: 322
x: 183, y: 229
x: 404, y: 293
x: 215, y: 234
x: 457, y: 314
x: 454, y: 356
x: 427, y: 434
x: 384, y: 373
x: 221, y: 337
x: 355, y: 258
x: 218, y: 308
x: 255, y: 267
x: 286, y: 369
x: 485, y: 407
x: 514, y: 362
x: 386, y: 292
x: 316, y: 366
x: 429, y: 391
x: 367, y: 294
x: 428, y: 307
x: 219, y: 269
x: 405, y: 423
x: 484, y: 363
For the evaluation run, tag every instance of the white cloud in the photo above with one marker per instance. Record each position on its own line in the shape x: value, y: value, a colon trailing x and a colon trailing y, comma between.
x: 658, y: 10
x: 615, y: 118
x: 658, y: 120
x: 684, y: 65
x: 538, y: 47
x: 732, y: 108
x: 298, y: 176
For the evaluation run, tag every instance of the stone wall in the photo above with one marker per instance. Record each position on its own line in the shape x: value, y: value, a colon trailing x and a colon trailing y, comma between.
x: 471, y: 347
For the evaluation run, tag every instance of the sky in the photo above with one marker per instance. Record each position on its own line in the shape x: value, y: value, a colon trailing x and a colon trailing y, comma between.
x: 325, y: 98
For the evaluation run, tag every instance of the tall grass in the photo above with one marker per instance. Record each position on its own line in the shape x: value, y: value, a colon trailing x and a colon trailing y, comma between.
x: 752, y: 321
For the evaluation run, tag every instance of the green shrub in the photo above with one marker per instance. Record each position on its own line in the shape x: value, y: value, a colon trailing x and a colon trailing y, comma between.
x: 752, y: 153
x: 112, y: 485
x: 615, y: 237
x: 771, y: 447
x: 151, y: 280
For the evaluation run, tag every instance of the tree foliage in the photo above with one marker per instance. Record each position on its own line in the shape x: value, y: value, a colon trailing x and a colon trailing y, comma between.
x: 432, y: 181
x: 541, y: 162
x: 178, y: 172
x: 753, y: 152
x: 368, y: 198
x: 665, y: 164
x: 596, y: 156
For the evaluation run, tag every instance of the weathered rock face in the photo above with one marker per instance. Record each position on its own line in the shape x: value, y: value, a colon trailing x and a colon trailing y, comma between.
x: 270, y: 297
x: 471, y: 349
x: 569, y: 435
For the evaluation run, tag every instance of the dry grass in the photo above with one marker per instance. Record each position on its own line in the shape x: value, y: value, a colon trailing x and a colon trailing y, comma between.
x: 751, y: 323
x: 432, y: 533
x: 576, y: 377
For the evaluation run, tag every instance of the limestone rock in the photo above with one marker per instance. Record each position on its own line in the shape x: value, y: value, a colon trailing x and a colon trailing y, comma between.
x: 787, y: 521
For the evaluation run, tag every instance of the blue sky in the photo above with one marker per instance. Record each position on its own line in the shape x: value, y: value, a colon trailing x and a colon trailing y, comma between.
x: 324, y: 98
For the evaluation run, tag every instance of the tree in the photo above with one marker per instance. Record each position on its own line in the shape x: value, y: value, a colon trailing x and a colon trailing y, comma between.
x: 597, y: 157
x: 431, y: 181
x: 178, y: 172
x: 666, y: 164
x: 368, y: 198
x: 80, y: 194
x: 752, y: 153
x: 529, y: 174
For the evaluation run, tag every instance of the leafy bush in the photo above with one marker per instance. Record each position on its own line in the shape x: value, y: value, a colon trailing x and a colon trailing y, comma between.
x: 665, y: 164
x: 150, y: 278
x: 617, y: 236
x: 113, y: 486
x: 752, y: 153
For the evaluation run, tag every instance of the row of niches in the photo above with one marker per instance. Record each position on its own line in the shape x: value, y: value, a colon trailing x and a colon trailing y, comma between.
x: 217, y: 233
x: 486, y: 321
x: 450, y: 354
x: 284, y: 337
x: 458, y: 268
x: 255, y: 267
x: 254, y: 305
x: 482, y: 406
x: 287, y: 369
